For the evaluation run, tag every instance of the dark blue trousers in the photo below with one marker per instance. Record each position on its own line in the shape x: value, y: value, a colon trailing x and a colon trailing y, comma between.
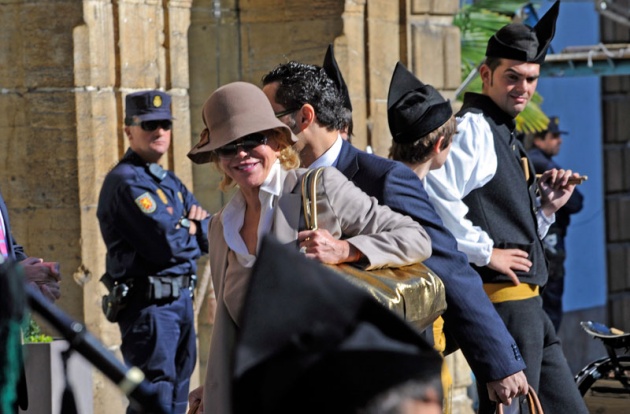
x: 159, y: 338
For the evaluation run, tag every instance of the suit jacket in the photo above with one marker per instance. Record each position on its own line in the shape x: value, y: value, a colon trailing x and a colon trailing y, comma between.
x: 470, y: 318
x: 346, y: 212
x: 15, y: 251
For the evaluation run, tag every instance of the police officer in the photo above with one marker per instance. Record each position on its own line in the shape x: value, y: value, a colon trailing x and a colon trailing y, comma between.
x: 154, y: 230
x: 546, y: 144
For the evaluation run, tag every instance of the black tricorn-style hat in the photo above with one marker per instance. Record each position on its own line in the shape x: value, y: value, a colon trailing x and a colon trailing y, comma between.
x: 332, y: 70
x: 413, y: 108
x: 311, y: 342
x: 518, y: 41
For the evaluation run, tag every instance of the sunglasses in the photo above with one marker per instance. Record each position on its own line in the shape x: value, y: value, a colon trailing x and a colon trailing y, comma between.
x: 247, y: 144
x: 285, y: 112
x: 150, y: 126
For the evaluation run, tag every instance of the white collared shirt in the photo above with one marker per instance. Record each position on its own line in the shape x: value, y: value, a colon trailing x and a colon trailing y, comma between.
x: 329, y: 158
x: 234, y: 215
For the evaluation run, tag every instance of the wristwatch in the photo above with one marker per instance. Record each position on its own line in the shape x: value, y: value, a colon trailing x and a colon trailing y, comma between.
x: 184, y: 222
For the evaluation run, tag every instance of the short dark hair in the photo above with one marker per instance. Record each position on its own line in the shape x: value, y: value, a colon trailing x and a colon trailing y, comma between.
x: 417, y: 151
x: 300, y: 84
x: 493, y: 62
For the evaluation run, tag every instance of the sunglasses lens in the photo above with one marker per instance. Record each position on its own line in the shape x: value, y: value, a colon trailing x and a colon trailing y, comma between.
x: 247, y: 144
x: 149, y: 126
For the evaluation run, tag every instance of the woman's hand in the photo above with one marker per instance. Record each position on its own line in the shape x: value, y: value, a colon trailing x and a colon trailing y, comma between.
x: 322, y: 246
x: 195, y: 401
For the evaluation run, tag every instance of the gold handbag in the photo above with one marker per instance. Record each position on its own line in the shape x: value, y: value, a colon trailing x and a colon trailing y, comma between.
x: 414, y: 292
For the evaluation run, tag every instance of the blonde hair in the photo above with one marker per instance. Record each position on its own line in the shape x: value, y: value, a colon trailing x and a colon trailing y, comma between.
x: 289, y: 158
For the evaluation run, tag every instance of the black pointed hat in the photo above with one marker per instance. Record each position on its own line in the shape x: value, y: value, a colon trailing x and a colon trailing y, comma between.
x: 518, y: 41
x: 413, y: 108
x: 312, y: 340
x: 332, y: 70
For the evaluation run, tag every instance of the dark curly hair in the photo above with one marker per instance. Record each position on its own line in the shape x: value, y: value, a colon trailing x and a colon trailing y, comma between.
x: 300, y: 84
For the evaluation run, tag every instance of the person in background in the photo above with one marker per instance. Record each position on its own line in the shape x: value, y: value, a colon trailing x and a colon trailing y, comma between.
x: 316, y: 117
x: 332, y: 70
x: 545, y: 145
x: 486, y: 195
x: 44, y: 276
x: 254, y: 150
x: 154, y: 230
x: 422, y: 125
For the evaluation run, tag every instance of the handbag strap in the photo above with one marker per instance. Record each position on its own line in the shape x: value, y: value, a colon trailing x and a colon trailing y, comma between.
x: 532, y: 401
x: 309, y: 197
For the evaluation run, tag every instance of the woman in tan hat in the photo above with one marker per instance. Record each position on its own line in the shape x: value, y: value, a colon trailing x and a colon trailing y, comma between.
x: 254, y: 151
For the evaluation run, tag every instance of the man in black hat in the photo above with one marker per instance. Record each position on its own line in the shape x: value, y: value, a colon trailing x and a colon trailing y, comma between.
x: 545, y: 145
x: 332, y: 70
x: 154, y: 230
x: 310, y: 342
x: 486, y: 196
x: 308, y: 101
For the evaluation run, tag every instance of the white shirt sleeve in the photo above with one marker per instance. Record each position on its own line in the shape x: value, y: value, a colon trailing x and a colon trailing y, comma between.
x: 471, y: 164
x: 542, y: 220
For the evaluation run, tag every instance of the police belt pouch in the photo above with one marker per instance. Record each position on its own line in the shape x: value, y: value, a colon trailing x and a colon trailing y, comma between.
x: 116, y: 300
x: 414, y: 292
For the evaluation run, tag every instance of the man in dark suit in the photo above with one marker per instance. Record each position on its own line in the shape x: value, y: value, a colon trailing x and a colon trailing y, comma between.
x: 44, y: 277
x: 36, y: 273
x: 307, y: 100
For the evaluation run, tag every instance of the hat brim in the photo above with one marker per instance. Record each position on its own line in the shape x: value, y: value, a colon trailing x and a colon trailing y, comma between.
x: 201, y: 153
x: 155, y: 116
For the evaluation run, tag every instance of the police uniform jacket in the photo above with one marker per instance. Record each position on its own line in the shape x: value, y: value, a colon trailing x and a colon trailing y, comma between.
x: 382, y: 235
x: 140, y: 213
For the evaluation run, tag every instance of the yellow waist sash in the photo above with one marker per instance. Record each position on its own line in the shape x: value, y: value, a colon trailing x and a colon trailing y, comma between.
x: 503, y: 292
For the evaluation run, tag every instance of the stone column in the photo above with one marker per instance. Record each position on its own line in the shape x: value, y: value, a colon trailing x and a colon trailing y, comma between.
x: 65, y: 67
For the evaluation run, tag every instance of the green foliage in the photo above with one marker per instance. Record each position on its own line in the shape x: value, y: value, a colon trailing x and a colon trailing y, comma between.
x: 477, y: 23
x: 33, y: 333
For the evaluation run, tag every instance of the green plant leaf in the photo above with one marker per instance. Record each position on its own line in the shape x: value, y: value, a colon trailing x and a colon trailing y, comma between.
x: 33, y: 333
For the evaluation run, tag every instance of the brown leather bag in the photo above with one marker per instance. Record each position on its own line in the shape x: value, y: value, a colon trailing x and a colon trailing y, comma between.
x: 414, y: 292
x: 532, y: 402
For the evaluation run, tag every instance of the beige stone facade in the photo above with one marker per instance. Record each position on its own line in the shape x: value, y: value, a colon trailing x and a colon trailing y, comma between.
x: 65, y: 67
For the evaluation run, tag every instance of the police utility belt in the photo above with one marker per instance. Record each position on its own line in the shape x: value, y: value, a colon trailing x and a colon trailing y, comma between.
x: 152, y: 288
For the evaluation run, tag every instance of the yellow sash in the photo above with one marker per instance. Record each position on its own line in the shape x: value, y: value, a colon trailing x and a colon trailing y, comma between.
x: 503, y: 292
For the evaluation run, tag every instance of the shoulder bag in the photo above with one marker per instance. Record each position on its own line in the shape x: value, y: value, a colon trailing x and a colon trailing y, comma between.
x: 414, y: 292
x: 532, y: 402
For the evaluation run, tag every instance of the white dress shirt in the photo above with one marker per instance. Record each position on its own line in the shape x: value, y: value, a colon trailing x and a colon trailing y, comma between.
x: 234, y: 215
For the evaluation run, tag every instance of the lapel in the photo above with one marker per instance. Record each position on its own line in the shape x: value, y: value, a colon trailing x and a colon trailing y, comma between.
x: 287, y: 215
x: 348, y: 162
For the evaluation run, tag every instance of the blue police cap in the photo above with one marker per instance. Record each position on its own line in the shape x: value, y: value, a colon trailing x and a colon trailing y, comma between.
x: 148, y: 105
x: 554, y: 126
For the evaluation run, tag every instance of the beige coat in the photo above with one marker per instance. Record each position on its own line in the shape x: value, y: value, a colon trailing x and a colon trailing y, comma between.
x: 346, y: 212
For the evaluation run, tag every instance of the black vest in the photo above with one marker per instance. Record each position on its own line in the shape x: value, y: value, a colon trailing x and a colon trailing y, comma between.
x: 505, y: 207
